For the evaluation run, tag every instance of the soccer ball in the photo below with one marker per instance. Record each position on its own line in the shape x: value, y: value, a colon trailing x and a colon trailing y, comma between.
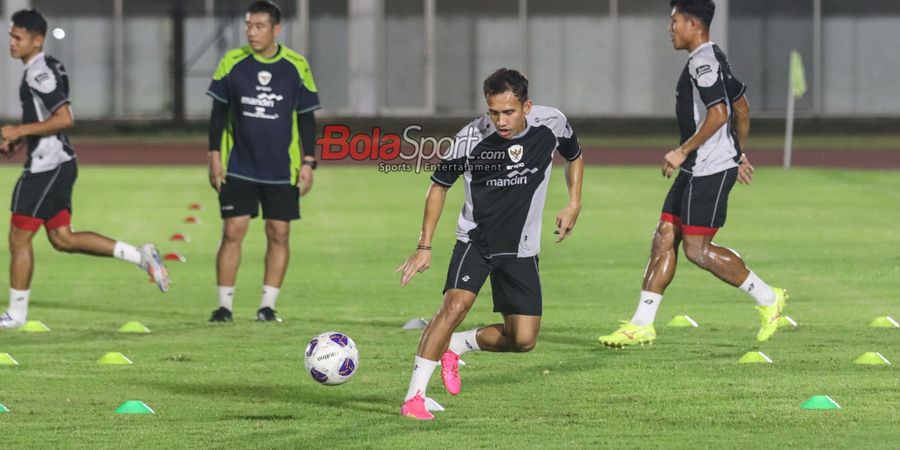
x: 331, y: 358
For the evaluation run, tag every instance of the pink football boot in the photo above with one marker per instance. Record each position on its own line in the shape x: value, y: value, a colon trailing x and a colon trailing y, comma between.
x: 415, y: 408
x: 450, y: 372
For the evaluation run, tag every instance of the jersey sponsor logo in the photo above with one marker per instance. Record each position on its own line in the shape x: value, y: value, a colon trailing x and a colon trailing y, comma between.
x: 260, y: 103
x: 523, y: 172
x: 270, y: 97
x: 264, y: 100
x: 506, y: 182
x: 515, y: 153
x: 41, y: 77
x: 706, y: 76
x: 264, y: 77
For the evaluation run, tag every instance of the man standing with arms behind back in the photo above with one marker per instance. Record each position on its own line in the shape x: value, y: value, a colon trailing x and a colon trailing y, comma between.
x: 43, y: 194
x: 714, y: 118
x: 262, y: 116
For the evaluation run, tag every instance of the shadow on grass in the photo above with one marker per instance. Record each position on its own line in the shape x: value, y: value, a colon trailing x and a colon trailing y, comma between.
x: 264, y: 417
x: 308, y: 395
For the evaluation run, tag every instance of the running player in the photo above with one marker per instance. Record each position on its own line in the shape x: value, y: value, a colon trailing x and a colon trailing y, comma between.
x: 714, y: 118
x: 43, y: 194
x: 504, y: 159
x: 263, y: 102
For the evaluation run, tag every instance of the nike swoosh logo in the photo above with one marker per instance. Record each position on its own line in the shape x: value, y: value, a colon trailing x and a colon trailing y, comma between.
x: 629, y: 335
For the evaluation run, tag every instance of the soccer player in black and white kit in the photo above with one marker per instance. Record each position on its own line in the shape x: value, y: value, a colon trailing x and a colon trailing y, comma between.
x: 714, y: 118
x: 43, y: 194
x: 504, y: 159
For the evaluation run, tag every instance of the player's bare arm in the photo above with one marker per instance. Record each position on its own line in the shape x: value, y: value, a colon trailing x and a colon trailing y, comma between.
x: 420, y: 260
x: 716, y: 117
x: 741, y: 110
x: 11, y: 148
x: 565, y: 220
x: 60, y: 120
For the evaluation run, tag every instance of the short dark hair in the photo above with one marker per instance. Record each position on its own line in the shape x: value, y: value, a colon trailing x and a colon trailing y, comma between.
x: 267, y: 7
x: 507, y: 80
x: 703, y: 10
x: 31, y: 20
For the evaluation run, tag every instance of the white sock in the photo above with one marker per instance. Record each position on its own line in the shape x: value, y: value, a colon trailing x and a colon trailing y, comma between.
x: 759, y: 290
x: 18, y: 304
x: 226, y: 297
x: 422, y: 371
x: 646, y: 310
x: 269, y: 295
x: 127, y: 252
x: 464, y: 342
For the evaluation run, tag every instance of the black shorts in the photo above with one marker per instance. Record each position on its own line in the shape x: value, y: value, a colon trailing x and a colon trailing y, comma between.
x: 240, y: 197
x: 516, y: 282
x: 699, y: 204
x: 44, y: 195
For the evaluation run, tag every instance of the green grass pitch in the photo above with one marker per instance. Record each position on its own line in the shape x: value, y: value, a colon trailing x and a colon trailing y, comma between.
x: 829, y: 236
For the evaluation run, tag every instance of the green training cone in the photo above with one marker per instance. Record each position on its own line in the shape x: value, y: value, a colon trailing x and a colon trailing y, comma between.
x: 134, y: 327
x: 872, y: 359
x: 7, y: 360
x: 683, y: 322
x: 34, y: 326
x: 114, y: 358
x: 754, y: 357
x: 134, y: 407
x: 820, y: 402
x: 3, y: 409
x: 786, y: 321
x: 884, y: 322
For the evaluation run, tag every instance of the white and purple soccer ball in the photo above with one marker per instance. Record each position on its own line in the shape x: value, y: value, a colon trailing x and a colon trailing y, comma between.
x: 331, y: 358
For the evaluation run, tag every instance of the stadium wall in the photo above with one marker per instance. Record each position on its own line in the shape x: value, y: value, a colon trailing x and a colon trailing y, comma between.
x: 426, y: 58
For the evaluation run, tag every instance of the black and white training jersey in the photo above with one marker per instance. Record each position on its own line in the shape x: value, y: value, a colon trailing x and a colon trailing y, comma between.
x: 705, y: 81
x: 506, y: 180
x: 45, y: 88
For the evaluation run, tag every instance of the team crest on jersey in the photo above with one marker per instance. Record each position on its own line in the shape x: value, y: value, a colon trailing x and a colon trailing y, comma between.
x: 515, y: 153
x: 264, y: 77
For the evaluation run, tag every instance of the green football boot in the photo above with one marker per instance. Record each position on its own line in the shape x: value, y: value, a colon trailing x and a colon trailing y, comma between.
x: 770, y: 315
x: 629, y: 334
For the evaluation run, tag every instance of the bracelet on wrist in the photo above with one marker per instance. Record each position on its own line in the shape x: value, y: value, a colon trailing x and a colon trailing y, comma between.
x: 423, y: 247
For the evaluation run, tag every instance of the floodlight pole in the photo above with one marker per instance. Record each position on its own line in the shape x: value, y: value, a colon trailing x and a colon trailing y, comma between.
x: 300, y: 31
x: 118, y: 58
x: 430, y: 56
x: 178, y: 66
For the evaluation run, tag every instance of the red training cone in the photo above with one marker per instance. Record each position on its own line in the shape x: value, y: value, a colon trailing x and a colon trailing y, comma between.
x: 175, y: 257
x: 180, y: 237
